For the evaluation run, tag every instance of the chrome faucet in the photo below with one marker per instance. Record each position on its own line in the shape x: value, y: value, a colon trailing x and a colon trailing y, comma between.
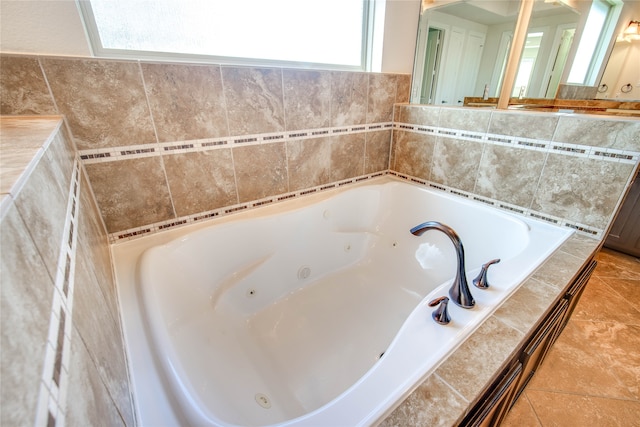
x: 459, y: 291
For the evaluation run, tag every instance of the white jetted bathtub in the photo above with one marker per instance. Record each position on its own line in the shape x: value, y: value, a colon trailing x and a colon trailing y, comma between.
x: 313, y: 311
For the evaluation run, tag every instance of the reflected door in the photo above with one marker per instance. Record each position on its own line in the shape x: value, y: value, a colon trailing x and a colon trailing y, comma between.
x: 431, y: 65
x: 446, y: 92
x: 472, y: 55
x: 559, y: 61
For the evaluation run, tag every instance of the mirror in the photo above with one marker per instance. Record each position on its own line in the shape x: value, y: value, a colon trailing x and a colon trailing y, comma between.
x: 620, y: 78
x: 463, y: 49
x: 550, y: 36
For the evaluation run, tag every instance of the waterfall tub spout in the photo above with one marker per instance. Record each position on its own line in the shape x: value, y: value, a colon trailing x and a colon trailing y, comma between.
x: 311, y: 311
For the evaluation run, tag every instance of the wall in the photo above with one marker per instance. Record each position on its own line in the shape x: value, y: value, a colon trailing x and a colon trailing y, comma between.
x: 571, y: 170
x: 172, y: 142
x: 62, y: 360
x: 54, y: 27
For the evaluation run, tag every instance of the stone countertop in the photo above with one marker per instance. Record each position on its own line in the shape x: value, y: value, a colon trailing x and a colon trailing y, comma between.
x: 450, y: 392
x: 23, y: 141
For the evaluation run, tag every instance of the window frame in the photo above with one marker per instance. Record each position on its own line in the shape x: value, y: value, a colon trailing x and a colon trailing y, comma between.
x: 98, y: 50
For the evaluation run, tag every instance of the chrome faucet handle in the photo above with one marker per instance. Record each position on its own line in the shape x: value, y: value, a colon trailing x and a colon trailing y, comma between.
x: 440, y: 314
x: 481, y: 280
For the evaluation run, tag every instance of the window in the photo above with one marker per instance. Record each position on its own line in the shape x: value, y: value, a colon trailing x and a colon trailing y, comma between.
x: 332, y: 33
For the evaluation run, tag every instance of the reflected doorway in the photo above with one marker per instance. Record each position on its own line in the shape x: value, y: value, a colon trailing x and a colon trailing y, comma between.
x: 435, y: 40
x: 559, y: 61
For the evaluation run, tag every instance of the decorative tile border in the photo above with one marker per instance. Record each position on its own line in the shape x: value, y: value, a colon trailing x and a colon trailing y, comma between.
x: 513, y: 209
x: 134, y: 233
x: 148, y: 150
x: 111, y: 154
x: 52, y: 400
x: 575, y: 150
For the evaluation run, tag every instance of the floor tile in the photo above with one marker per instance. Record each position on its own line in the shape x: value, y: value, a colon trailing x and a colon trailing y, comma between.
x: 571, y: 410
x: 591, y: 376
x: 616, y: 264
x: 573, y: 366
x: 600, y: 303
x: 521, y: 414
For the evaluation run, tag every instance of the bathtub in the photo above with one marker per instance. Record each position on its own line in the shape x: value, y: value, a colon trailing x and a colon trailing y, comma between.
x: 313, y: 311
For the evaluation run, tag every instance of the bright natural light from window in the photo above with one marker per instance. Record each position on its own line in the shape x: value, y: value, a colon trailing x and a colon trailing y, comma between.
x: 321, y: 32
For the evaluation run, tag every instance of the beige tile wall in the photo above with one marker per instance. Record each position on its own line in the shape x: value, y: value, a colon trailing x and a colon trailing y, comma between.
x: 92, y: 383
x: 570, y: 168
x: 138, y: 106
x: 111, y: 104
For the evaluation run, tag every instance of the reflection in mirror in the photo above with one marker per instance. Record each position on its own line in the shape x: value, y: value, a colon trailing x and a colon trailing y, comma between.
x: 462, y: 50
x: 621, y: 78
x: 548, y: 43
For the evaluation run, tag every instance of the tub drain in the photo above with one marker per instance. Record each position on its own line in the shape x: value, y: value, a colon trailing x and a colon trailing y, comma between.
x: 263, y: 400
x: 304, y: 272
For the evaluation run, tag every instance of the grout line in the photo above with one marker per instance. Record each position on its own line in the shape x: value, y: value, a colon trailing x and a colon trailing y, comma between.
x: 110, y: 154
x: 133, y: 233
x: 51, y: 406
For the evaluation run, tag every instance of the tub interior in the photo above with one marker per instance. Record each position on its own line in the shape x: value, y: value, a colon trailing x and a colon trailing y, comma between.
x: 266, y: 320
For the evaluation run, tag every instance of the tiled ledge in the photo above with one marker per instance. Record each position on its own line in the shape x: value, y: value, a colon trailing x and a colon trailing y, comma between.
x: 449, y: 393
x: 23, y: 142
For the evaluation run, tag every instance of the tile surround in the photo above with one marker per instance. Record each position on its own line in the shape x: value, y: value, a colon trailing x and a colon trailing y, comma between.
x: 383, y: 93
x: 200, y: 181
x: 54, y: 247
x: 131, y: 193
x: 192, y: 92
x: 509, y: 174
x: 349, y: 98
x: 377, y: 157
x: 455, y: 163
x: 379, y: 88
x: 491, y: 338
x: 121, y: 110
x: 254, y: 100
x: 309, y: 162
x: 563, y: 180
x: 307, y: 99
x: 424, y: 406
x: 524, y: 125
x: 347, y: 156
x: 26, y: 309
x: 413, y: 153
x: 23, y: 88
x: 261, y: 171
x: 104, y: 102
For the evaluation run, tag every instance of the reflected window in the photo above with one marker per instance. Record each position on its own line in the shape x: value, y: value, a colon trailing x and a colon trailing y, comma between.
x: 591, y: 47
x: 527, y: 64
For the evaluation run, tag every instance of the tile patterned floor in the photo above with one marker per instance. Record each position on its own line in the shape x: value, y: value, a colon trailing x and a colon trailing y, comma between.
x: 591, y: 376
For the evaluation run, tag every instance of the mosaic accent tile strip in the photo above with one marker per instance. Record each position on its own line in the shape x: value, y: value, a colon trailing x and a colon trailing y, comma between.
x: 575, y: 150
x: 52, y: 400
x: 111, y: 154
x: 514, y: 209
x: 134, y: 233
